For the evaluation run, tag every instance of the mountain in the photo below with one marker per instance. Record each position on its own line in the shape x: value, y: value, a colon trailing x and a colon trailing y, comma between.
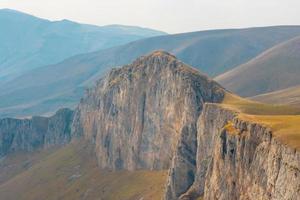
x: 289, y: 96
x: 28, y: 42
x: 155, y: 115
x: 44, y: 90
x: 151, y: 115
x: 275, y: 69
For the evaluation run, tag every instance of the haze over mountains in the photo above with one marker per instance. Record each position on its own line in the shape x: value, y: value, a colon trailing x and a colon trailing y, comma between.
x: 153, y: 116
x: 62, y: 84
x: 275, y: 69
x: 289, y: 96
x: 28, y: 42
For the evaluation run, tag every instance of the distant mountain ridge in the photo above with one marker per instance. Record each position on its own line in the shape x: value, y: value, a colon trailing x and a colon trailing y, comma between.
x: 289, y: 96
x: 275, y: 69
x: 62, y: 84
x: 28, y: 42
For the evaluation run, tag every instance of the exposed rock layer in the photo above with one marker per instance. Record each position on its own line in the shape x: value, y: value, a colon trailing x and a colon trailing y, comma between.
x: 237, y: 159
x: 141, y: 115
x: 158, y: 113
x: 34, y: 133
x: 147, y: 116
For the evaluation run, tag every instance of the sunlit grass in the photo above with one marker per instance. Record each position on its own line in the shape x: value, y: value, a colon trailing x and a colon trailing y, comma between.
x: 283, y: 120
x: 72, y: 173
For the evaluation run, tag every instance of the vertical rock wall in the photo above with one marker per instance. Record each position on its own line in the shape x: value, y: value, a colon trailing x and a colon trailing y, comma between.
x: 38, y: 132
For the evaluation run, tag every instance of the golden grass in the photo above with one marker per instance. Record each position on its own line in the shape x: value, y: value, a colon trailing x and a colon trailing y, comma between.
x: 229, y: 127
x: 286, y: 128
x: 255, y: 108
x: 18, y: 162
x: 72, y: 173
x: 283, y: 120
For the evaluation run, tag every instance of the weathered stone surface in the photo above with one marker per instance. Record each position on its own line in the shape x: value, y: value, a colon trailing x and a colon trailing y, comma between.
x: 141, y: 115
x: 243, y: 163
x: 157, y: 113
x: 34, y: 133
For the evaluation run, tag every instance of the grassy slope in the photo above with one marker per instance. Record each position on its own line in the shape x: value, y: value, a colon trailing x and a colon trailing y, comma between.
x: 289, y: 96
x: 275, y: 69
x: 72, y: 173
x: 213, y: 52
x: 282, y: 119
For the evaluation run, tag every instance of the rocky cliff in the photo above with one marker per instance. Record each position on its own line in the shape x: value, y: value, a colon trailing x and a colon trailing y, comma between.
x: 34, y: 133
x: 158, y: 113
x: 141, y: 115
x: 238, y: 159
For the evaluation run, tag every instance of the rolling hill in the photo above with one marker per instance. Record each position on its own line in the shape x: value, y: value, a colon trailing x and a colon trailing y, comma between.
x: 289, y: 96
x: 46, y: 89
x: 28, y: 42
x: 275, y: 69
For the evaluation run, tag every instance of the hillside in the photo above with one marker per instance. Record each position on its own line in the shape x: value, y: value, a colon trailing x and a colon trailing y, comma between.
x: 275, y: 69
x: 62, y: 84
x: 289, y: 96
x: 71, y: 173
x: 139, y: 121
x: 28, y: 42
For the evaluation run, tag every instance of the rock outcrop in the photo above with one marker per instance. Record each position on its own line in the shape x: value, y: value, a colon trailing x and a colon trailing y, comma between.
x: 238, y: 159
x: 34, y: 133
x: 144, y: 115
x: 158, y: 113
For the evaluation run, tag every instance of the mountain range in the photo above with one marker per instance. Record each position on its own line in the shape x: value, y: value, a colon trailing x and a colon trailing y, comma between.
x: 28, y: 42
x: 128, y: 113
x: 61, y: 85
x: 154, y: 129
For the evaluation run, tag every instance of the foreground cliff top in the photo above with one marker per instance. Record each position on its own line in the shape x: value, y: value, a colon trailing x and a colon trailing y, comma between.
x: 283, y: 120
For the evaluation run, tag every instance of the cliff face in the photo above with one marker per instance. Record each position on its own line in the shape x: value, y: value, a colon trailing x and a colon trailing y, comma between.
x: 237, y: 159
x: 38, y: 132
x: 158, y: 113
x: 141, y: 115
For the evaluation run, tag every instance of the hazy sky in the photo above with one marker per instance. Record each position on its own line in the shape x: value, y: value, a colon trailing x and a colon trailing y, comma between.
x: 172, y: 16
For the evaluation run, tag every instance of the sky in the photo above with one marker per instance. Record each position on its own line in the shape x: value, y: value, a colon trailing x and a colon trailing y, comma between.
x: 172, y: 16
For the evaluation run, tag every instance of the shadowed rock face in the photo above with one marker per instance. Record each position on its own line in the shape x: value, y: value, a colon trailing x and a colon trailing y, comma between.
x: 141, y: 115
x: 38, y: 132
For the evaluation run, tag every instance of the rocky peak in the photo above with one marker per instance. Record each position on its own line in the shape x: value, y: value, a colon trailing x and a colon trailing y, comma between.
x: 144, y: 115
